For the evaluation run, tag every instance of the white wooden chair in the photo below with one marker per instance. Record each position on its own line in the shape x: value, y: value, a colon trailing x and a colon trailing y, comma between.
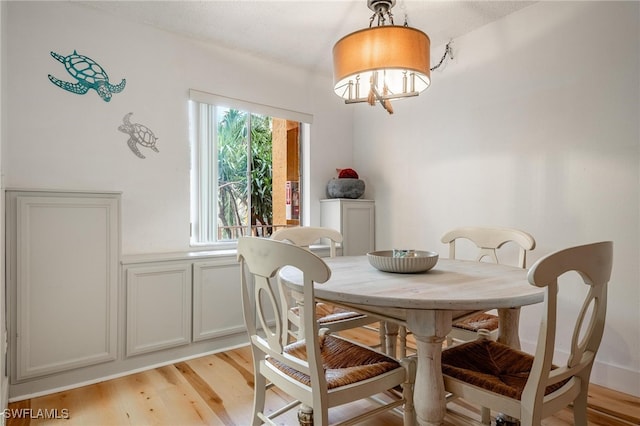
x: 321, y: 370
x: 531, y: 388
x: 334, y: 318
x: 488, y: 241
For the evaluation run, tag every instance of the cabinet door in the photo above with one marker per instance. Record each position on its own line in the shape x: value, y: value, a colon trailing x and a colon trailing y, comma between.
x: 217, y: 300
x: 358, y: 228
x: 67, y: 252
x: 355, y: 219
x: 158, y: 307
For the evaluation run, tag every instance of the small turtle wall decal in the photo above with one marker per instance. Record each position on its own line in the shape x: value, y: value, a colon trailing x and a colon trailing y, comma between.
x: 138, y: 134
x: 90, y: 75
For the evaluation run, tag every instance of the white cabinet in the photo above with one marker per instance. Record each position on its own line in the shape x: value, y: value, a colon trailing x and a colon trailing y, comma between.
x: 78, y: 311
x: 158, y: 307
x: 62, y: 278
x: 354, y: 218
x: 174, y: 302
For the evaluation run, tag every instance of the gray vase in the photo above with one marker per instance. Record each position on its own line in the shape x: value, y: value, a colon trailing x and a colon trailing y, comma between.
x: 345, y: 188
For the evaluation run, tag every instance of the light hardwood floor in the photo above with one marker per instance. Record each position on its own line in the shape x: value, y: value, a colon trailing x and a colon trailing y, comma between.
x: 218, y: 390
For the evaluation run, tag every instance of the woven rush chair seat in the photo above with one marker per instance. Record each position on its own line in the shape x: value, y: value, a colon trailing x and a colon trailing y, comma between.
x: 477, y: 322
x: 344, y: 362
x: 326, y: 313
x: 493, y: 366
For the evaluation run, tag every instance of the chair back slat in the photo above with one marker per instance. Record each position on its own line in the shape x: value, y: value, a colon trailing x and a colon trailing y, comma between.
x: 304, y: 236
x: 489, y: 239
x: 265, y: 305
x: 591, y: 320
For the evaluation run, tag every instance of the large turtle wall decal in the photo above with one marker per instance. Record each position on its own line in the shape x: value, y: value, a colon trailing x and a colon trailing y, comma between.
x: 90, y: 75
x: 138, y: 134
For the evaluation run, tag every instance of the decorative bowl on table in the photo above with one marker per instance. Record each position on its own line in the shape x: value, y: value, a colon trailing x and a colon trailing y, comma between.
x: 403, y: 261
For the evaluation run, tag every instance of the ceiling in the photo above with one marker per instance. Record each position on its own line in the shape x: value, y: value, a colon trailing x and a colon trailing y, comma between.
x: 302, y: 33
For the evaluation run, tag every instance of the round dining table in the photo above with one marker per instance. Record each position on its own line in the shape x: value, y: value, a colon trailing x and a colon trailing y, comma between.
x: 426, y: 303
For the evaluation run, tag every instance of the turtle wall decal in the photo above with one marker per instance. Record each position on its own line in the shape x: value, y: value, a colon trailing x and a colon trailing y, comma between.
x: 138, y: 134
x: 90, y: 75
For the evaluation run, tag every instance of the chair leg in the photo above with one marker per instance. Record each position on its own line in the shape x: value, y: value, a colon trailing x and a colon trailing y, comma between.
x: 407, y: 390
x: 485, y: 414
x: 382, y: 332
x: 305, y: 415
x: 449, y: 341
x: 402, y: 342
x: 580, y: 407
x: 391, y: 338
x: 259, y: 393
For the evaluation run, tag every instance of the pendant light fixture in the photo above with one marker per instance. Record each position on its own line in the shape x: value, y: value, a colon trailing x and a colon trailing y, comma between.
x: 384, y: 62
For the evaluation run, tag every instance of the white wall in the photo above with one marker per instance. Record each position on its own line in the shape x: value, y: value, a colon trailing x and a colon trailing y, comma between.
x: 534, y: 125
x: 56, y: 139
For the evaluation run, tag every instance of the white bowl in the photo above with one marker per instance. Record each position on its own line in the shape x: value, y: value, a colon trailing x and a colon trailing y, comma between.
x: 421, y: 261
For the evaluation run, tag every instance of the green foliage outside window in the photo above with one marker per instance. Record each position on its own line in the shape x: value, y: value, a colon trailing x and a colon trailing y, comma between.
x: 233, y: 171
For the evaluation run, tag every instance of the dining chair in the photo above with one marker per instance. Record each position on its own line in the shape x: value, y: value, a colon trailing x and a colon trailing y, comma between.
x: 532, y: 387
x: 488, y: 241
x: 329, y: 316
x: 321, y: 370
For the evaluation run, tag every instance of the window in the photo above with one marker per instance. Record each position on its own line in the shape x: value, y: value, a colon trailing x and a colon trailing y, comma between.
x: 245, y: 168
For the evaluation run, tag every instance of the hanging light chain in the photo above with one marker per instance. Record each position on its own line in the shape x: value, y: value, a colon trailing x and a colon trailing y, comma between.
x: 381, y: 9
x: 447, y: 51
x: 403, y: 8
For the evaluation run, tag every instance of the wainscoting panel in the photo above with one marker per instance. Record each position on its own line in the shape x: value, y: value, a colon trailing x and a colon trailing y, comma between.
x: 158, y: 307
x: 63, y: 275
x: 217, y: 301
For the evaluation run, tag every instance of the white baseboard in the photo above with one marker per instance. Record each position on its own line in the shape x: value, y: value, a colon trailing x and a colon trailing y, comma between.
x: 610, y: 376
x: 121, y: 374
x: 128, y: 365
x: 616, y: 378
